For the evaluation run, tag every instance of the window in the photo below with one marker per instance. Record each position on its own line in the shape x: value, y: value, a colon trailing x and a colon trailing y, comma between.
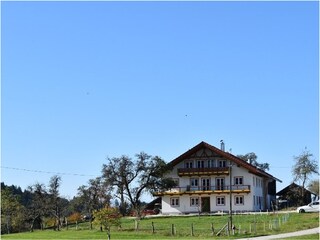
x: 222, y: 163
x: 238, y: 180
x: 258, y: 182
x: 239, y: 200
x: 253, y: 181
x: 211, y: 163
x: 200, y: 164
x: 174, y: 202
x: 220, y: 201
x: 189, y: 164
x: 194, y: 182
x: 194, y: 202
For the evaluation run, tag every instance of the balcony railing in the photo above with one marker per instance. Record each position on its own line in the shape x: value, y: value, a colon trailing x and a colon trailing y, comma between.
x: 205, y: 190
x: 203, y: 171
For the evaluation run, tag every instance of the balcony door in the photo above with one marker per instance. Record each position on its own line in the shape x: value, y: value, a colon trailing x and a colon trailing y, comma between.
x: 219, y: 183
x: 194, y: 182
x: 205, y: 184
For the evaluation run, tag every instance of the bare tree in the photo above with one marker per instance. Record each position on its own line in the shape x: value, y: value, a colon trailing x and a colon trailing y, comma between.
x: 303, y: 168
x: 131, y: 178
x: 37, y: 206
x: 114, y: 175
x: 54, y: 200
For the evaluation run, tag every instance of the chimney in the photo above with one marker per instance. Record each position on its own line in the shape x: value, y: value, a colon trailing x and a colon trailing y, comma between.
x: 222, y: 145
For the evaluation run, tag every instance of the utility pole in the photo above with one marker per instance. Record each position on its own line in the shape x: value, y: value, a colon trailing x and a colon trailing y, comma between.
x: 230, y: 195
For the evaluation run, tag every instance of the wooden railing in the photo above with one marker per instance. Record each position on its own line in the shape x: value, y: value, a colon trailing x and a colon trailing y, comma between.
x: 203, y: 171
x: 204, y: 189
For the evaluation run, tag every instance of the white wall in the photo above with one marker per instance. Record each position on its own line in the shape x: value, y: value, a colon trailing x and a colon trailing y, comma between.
x: 184, y: 204
x: 251, y: 200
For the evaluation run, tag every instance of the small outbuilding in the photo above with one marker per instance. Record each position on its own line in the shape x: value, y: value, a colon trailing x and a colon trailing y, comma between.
x: 291, y: 196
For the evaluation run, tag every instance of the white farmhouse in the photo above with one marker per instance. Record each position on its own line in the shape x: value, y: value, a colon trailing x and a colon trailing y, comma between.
x: 207, y: 178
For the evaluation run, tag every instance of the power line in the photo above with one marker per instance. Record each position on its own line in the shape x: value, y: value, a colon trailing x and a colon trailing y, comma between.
x: 40, y: 171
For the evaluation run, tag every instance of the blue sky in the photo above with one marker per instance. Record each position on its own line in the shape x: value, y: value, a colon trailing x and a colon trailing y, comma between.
x: 83, y: 81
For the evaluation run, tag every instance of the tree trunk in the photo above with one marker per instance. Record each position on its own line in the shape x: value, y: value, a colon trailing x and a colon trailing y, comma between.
x: 31, y: 226
x: 136, y: 224
x: 108, y: 233
x: 8, y: 224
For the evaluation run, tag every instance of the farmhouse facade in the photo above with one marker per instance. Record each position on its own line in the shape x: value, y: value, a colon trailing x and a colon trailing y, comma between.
x: 208, y: 177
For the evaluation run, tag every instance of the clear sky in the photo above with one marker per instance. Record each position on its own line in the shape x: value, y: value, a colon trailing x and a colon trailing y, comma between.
x: 83, y: 81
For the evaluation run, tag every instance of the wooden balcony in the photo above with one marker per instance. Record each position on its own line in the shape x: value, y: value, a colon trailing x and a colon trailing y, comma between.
x: 203, y: 171
x: 204, y: 190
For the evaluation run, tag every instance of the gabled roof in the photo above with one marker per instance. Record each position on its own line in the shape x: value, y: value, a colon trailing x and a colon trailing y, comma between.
x: 225, y: 155
x: 290, y: 187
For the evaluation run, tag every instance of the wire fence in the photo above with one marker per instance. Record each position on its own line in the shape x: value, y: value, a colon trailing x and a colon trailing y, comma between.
x: 202, y: 226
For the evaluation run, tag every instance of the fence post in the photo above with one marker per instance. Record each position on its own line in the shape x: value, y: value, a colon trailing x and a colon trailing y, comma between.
x: 172, y: 229
x: 152, y: 224
x: 212, y: 229
x: 76, y: 225
x: 192, y: 233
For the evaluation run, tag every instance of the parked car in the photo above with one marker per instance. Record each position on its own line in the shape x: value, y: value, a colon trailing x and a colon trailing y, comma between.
x: 311, y: 207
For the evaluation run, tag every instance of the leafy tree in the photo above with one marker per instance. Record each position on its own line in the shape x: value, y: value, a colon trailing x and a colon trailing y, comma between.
x: 74, y: 217
x: 107, y: 217
x: 12, y: 212
x: 303, y: 168
x: 76, y: 204
x: 131, y: 178
x: 252, y: 159
x: 93, y: 197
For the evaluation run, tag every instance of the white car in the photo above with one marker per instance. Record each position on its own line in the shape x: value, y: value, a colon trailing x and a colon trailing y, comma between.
x: 311, y: 207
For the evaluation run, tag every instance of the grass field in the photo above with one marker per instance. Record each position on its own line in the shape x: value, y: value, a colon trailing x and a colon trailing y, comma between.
x: 186, y: 227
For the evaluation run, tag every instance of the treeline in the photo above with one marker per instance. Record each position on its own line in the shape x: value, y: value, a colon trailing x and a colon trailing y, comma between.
x: 123, y: 180
x: 41, y: 207
x: 36, y: 207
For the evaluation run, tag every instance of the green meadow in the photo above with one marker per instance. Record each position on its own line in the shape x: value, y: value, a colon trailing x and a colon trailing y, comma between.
x: 185, y: 227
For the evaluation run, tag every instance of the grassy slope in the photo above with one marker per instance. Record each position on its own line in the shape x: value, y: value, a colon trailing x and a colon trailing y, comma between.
x: 259, y: 225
